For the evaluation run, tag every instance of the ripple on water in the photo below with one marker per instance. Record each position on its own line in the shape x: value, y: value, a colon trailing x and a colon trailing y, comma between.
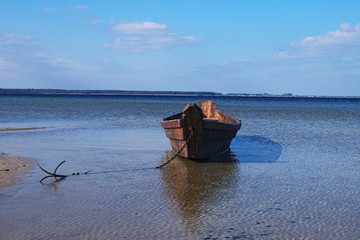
x: 292, y: 173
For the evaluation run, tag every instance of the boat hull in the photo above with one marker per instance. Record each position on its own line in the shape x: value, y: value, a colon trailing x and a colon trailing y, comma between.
x: 195, y: 136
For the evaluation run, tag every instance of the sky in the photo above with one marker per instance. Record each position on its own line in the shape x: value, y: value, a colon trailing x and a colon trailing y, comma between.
x: 228, y: 46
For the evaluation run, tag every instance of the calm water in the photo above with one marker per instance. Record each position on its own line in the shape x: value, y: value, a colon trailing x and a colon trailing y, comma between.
x: 293, y: 171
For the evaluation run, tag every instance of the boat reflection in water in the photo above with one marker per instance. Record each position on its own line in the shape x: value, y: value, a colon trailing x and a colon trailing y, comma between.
x: 197, y: 190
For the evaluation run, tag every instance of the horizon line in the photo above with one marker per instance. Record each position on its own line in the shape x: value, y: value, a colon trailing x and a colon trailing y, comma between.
x: 111, y: 92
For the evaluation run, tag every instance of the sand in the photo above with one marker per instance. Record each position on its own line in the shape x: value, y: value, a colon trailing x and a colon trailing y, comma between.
x: 12, y: 169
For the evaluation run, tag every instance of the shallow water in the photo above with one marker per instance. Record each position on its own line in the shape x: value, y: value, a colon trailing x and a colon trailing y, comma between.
x: 293, y: 171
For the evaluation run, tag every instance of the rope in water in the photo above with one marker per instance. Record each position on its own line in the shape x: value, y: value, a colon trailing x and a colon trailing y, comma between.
x: 178, y: 152
x: 58, y: 177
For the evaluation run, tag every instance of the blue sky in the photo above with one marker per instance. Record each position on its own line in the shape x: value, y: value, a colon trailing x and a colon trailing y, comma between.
x: 229, y: 46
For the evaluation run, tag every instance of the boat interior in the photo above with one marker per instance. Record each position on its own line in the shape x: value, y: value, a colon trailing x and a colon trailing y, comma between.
x: 210, y: 112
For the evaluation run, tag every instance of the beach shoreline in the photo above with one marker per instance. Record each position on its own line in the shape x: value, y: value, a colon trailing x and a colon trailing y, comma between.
x: 12, y: 169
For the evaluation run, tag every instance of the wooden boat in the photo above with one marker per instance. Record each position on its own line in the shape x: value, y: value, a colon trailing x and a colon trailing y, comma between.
x: 200, y: 132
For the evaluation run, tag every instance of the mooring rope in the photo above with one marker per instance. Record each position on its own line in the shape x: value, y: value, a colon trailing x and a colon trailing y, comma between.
x: 59, y: 177
x: 178, y: 152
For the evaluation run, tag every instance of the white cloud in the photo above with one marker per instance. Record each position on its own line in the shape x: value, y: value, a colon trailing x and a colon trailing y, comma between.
x: 79, y: 7
x: 343, y: 36
x: 95, y: 21
x: 10, y: 38
x: 66, y: 65
x: 14, y: 46
x: 145, y: 36
x: 138, y: 28
x: 339, y: 43
x: 48, y: 9
x: 146, y: 43
x: 327, y: 64
x: 112, y: 21
x: 10, y: 68
x: 25, y: 63
x: 91, y: 20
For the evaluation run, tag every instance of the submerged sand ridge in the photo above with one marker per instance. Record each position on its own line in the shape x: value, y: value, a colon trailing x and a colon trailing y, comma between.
x: 12, y: 169
x: 22, y: 128
x: 33, y: 127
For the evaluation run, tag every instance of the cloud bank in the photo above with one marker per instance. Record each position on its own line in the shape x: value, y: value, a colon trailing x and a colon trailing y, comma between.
x: 140, y: 37
x: 322, y: 64
x: 339, y: 43
x: 328, y: 63
x: 25, y: 63
x: 139, y: 28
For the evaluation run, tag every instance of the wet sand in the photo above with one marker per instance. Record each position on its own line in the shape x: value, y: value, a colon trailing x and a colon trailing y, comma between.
x: 12, y: 169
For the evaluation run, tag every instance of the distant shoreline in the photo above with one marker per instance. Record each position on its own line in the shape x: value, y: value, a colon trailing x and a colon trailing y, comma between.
x: 6, y: 91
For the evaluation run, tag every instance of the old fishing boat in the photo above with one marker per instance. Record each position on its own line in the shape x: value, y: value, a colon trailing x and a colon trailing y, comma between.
x: 200, y: 131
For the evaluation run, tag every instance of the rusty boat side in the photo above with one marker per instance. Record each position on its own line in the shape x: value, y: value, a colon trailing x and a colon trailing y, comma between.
x: 202, y: 131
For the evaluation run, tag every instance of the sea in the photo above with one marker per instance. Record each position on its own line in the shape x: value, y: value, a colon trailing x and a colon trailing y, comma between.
x: 293, y: 170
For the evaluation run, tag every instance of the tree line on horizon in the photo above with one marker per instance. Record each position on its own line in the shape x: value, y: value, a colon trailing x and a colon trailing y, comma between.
x: 27, y: 91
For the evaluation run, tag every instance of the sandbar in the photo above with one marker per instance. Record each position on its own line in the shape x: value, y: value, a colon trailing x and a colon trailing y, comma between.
x: 12, y: 169
x: 22, y: 128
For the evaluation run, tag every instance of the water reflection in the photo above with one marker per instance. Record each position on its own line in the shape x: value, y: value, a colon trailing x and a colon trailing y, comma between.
x: 198, y: 189
x: 255, y: 149
x: 52, y: 185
